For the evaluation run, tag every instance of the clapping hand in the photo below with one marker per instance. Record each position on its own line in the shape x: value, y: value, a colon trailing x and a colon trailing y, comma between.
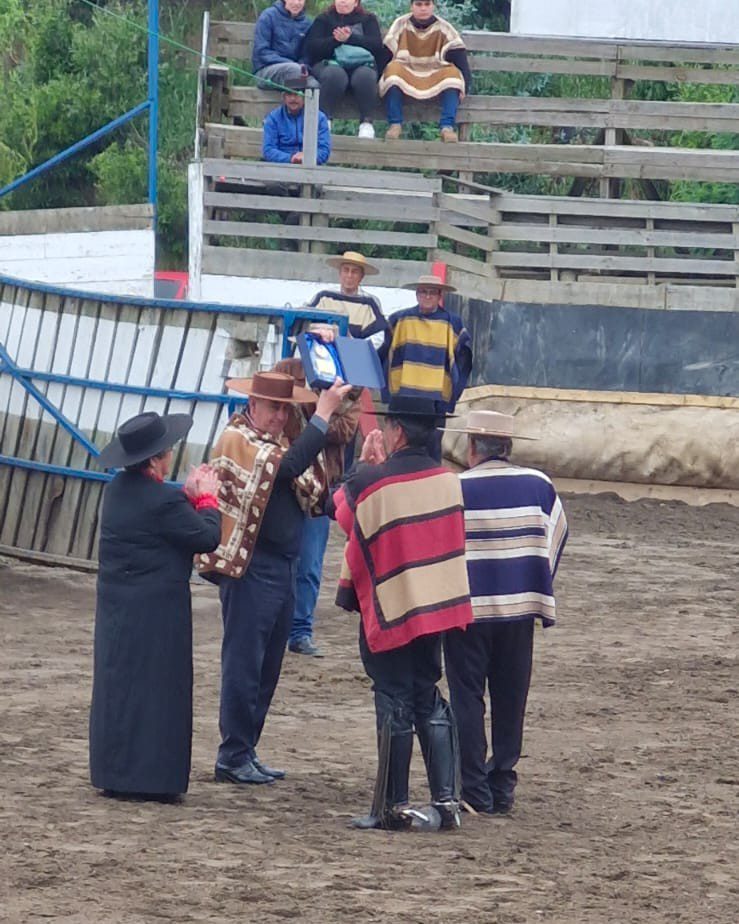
x: 201, y: 480
x: 373, y: 450
x: 342, y: 33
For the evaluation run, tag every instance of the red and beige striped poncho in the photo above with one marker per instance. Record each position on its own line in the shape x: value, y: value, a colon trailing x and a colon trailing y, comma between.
x: 404, y: 565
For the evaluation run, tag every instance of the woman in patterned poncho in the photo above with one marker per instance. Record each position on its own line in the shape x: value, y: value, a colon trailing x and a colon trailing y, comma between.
x: 428, y: 60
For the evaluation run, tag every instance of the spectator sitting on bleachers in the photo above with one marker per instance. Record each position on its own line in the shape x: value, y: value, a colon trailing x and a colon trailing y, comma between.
x: 344, y: 50
x: 278, y: 42
x: 282, y: 139
x: 428, y: 60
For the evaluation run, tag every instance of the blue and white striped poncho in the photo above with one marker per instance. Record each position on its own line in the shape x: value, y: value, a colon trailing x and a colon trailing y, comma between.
x: 516, y: 530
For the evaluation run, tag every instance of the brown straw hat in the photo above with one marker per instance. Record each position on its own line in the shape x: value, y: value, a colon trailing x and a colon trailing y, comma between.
x: 430, y: 282
x: 492, y: 423
x: 356, y: 259
x: 274, y: 386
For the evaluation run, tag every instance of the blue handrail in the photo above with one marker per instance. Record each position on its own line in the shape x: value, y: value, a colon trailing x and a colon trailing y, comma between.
x: 26, y: 377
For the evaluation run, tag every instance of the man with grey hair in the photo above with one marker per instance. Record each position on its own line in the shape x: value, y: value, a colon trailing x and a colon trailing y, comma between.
x: 515, y: 533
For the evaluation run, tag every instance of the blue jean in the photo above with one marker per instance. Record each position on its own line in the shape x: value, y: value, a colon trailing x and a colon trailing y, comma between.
x: 449, y: 104
x: 308, y: 577
x: 256, y: 620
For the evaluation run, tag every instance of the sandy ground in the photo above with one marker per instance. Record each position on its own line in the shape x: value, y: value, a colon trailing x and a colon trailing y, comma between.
x: 627, y: 805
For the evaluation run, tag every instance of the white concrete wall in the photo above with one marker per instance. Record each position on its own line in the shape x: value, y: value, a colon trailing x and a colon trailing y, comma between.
x: 119, y: 262
x: 656, y: 20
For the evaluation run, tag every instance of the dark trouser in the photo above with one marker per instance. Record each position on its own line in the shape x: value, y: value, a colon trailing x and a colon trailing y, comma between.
x: 496, y: 654
x: 404, y: 683
x: 336, y: 82
x: 257, y: 612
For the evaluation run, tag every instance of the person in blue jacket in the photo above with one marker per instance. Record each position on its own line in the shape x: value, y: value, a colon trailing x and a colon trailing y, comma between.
x: 278, y: 42
x: 282, y: 139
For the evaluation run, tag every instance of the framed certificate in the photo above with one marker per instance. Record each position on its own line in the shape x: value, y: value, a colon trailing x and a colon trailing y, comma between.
x: 352, y: 359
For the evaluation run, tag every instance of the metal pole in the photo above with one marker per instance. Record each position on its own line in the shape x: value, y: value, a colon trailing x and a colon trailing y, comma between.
x: 74, y: 149
x: 153, y: 102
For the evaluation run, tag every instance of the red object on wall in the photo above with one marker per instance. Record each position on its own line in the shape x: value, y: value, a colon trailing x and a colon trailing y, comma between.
x: 170, y: 285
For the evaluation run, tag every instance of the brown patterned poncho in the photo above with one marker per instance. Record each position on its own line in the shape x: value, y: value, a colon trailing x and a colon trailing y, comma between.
x: 419, y: 66
x: 246, y: 460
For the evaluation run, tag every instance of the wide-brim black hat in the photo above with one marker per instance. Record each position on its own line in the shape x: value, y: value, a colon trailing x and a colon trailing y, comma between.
x: 406, y: 406
x: 144, y: 436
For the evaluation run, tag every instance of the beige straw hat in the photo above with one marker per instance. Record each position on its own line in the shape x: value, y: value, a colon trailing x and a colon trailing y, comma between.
x: 492, y: 423
x: 357, y: 259
x: 430, y: 282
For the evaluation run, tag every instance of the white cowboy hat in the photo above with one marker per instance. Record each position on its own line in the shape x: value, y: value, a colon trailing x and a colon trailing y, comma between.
x: 492, y: 423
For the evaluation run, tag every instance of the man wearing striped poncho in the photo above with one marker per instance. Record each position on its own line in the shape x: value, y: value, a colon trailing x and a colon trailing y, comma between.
x: 515, y: 533
x: 404, y: 570
x: 428, y: 60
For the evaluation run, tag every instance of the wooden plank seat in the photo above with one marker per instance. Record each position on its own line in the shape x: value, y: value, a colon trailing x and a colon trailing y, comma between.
x: 251, y: 103
x: 572, y: 160
x: 494, y: 52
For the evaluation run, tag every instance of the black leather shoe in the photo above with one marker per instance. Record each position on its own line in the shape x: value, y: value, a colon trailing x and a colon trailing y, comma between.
x: 268, y: 771
x: 502, y: 807
x: 246, y: 773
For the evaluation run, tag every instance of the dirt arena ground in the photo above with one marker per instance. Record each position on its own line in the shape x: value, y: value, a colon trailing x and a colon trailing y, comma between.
x: 627, y: 805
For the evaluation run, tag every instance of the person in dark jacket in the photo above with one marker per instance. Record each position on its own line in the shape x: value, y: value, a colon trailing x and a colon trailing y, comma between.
x: 341, y: 432
x: 278, y: 42
x: 266, y: 489
x: 141, y: 713
x: 344, y: 50
x: 282, y: 136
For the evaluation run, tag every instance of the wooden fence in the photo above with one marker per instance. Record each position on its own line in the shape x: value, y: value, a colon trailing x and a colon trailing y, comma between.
x: 281, y: 219
x: 586, y: 250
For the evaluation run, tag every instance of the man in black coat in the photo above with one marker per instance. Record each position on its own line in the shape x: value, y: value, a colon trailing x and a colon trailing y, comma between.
x: 141, y: 713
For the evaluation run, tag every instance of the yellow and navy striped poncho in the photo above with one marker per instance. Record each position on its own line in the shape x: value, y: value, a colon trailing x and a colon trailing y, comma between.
x: 430, y: 356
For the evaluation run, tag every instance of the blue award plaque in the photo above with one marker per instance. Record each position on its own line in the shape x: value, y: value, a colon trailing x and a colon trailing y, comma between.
x: 352, y: 359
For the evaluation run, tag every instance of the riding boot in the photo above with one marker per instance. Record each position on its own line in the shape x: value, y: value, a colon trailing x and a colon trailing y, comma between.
x: 395, y: 749
x: 440, y: 748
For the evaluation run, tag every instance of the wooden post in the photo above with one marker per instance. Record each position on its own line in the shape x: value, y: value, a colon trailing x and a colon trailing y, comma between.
x: 310, y: 152
x: 310, y: 128
x: 195, y: 191
x: 494, y: 223
x: 609, y: 186
x: 651, y: 276
x: 465, y: 131
x: 553, y: 273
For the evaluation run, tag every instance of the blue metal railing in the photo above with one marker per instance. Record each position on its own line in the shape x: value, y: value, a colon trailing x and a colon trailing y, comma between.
x: 150, y: 105
x: 26, y: 377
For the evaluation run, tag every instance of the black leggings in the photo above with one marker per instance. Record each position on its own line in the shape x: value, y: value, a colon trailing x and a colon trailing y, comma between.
x: 336, y: 82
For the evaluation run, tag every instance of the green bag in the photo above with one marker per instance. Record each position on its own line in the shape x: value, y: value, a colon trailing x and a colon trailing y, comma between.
x: 350, y: 57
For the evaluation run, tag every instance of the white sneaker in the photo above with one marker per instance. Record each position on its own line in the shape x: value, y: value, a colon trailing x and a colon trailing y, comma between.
x: 366, y: 130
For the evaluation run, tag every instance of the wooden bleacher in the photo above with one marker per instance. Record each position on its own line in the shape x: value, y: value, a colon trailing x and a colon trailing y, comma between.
x: 426, y: 202
x: 629, y: 138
